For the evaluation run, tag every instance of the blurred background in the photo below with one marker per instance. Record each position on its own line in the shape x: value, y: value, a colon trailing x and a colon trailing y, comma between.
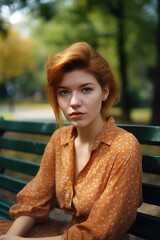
x: 126, y: 33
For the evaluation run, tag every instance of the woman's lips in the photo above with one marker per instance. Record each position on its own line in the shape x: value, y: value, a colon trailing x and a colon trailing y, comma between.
x: 76, y: 115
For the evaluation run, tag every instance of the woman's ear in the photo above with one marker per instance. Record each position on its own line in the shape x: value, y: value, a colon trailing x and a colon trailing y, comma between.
x: 106, y: 90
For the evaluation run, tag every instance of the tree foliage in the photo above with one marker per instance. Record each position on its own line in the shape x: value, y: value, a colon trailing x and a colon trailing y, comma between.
x: 16, y: 55
x: 123, y: 31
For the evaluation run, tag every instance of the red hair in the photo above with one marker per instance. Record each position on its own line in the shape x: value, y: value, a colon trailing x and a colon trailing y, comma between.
x: 79, y: 56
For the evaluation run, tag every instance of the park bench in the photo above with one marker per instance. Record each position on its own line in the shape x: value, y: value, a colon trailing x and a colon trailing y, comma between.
x: 22, y: 141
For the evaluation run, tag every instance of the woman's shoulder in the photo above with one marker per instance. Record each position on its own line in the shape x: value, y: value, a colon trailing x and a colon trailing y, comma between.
x: 117, y: 134
x: 64, y: 129
x: 124, y: 134
x: 125, y: 140
x: 64, y: 132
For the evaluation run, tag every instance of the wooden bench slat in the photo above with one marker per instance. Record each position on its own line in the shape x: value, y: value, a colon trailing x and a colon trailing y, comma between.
x: 45, y: 128
x: 3, y: 211
x: 4, y: 207
x: 5, y: 204
x: 4, y: 215
x: 146, y: 226
x: 151, y: 194
x: 151, y: 164
x: 18, y: 165
x: 23, y: 146
x: 146, y: 134
x: 12, y: 184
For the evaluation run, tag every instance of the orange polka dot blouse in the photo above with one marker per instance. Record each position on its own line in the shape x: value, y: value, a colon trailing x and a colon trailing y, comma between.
x: 107, y: 192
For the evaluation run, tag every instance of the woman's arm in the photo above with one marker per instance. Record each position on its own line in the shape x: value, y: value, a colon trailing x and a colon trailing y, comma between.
x: 21, y: 226
x: 37, y: 198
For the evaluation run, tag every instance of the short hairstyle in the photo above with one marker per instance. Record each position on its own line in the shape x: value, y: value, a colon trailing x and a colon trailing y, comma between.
x: 79, y: 56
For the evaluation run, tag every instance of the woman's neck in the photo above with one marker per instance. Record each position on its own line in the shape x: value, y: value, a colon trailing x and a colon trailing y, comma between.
x: 89, y: 133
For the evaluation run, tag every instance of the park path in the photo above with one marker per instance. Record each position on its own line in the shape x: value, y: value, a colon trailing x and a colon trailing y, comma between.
x: 26, y: 113
x: 34, y: 114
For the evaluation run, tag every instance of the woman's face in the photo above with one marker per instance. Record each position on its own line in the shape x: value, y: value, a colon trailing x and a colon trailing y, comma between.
x: 80, y: 98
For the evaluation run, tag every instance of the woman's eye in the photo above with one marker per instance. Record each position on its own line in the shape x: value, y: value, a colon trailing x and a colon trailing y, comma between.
x: 87, y: 90
x: 63, y: 92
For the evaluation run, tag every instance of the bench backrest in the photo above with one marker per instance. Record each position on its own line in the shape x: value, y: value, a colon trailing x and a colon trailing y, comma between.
x: 23, y: 140
x: 145, y: 225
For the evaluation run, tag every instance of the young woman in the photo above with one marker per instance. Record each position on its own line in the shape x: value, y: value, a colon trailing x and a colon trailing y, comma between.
x: 91, y: 168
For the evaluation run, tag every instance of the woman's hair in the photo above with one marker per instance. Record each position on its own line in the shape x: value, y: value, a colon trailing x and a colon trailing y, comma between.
x: 79, y: 56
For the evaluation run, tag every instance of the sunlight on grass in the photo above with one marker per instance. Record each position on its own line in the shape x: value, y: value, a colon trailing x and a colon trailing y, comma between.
x: 116, y: 112
x: 7, y: 115
x: 137, y: 115
x: 141, y: 115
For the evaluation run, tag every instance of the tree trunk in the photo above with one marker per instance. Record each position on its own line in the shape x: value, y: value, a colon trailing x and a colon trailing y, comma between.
x: 156, y: 98
x: 125, y: 98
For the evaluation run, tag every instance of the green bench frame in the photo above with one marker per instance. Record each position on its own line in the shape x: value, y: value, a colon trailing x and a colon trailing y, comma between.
x: 146, y: 225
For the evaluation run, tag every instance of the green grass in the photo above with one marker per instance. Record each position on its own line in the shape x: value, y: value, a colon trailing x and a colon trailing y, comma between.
x: 7, y: 115
x: 137, y: 115
x: 141, y: 115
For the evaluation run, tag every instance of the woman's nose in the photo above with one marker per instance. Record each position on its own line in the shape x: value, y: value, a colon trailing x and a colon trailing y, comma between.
x: 75, y: 101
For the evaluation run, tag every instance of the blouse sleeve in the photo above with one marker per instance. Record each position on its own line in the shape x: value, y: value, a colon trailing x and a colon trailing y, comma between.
x: 114, y: 212
x: 36, y: 199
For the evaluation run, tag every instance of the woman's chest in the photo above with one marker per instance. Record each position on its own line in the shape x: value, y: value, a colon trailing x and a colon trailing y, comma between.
x: 88, y: 186
x: 81, y: 156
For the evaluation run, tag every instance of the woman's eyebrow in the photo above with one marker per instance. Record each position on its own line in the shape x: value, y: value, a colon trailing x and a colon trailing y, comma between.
x: 86, y: 84
x: 83, y: 85
x: 63, y: 87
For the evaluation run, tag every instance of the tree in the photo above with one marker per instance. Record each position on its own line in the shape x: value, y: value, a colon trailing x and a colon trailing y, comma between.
x: 102, y: 23
x: 16, y: 55
x: 156, y: 99
x: 37, y: 7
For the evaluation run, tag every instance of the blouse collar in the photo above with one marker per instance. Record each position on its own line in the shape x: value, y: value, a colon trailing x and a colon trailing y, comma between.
x: 106, y: 135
